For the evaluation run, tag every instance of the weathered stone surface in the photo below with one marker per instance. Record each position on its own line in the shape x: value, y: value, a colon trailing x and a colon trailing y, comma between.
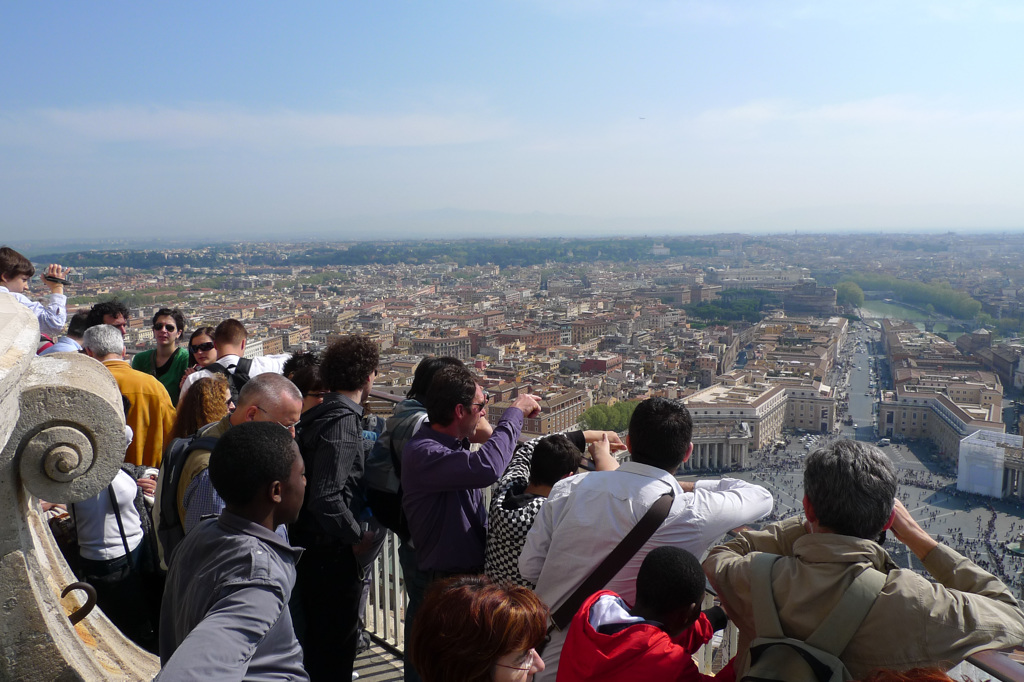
x: 69, y: 439
x: 61, y: 439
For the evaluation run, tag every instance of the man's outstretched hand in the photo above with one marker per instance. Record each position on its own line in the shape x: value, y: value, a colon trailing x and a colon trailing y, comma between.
x: 528, y: 404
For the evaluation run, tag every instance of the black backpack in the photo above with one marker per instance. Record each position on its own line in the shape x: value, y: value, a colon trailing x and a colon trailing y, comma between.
x: 385, y: 504
x: 382, y: 477
x: 169, y: 528
x: 240, y: 377
x: 776, y: 657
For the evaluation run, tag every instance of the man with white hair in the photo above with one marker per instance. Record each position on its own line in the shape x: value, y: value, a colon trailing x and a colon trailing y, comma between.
x: 148, y: 410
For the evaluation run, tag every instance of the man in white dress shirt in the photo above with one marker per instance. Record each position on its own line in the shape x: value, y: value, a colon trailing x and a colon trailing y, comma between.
x: 229, y: 338
x: 586, y: 516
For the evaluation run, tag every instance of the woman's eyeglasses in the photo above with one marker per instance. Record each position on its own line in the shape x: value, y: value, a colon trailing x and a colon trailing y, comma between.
x: 160, y: 326
x: 201, y: 347
x: 527, y: 663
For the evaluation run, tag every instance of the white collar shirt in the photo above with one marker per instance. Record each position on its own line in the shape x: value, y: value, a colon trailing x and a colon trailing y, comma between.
x: 260, y: 365
x: 587, y: 515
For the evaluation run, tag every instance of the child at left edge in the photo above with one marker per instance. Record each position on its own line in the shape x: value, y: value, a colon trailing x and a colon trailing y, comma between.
x: 15, y: 273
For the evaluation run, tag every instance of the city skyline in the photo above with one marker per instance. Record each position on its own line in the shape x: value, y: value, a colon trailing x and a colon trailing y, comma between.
x: 346, y: 121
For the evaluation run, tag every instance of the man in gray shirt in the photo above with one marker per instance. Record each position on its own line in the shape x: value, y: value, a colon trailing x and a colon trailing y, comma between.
x: 225, y: 609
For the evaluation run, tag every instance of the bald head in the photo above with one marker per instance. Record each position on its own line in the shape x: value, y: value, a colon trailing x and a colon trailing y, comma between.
x: 268, y: 390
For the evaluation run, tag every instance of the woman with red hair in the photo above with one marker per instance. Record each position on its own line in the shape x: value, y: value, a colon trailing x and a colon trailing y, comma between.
x: 470, y: 629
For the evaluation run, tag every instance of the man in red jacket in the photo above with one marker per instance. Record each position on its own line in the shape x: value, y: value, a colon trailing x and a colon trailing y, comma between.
x: 654, y: 640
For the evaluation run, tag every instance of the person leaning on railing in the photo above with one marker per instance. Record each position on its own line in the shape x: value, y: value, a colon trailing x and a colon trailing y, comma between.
x: 849, y: 500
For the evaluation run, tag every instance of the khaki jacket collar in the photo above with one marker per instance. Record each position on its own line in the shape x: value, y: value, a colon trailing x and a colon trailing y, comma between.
x: 819, y: 548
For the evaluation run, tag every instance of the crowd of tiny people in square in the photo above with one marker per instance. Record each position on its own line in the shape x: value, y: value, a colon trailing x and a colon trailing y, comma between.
x: 237, y: 539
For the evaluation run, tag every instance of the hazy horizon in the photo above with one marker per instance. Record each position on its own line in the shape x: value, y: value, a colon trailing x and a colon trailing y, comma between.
x: 512, y: 118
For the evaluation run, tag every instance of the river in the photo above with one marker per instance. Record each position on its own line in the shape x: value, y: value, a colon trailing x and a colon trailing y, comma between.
x: 896, y: 311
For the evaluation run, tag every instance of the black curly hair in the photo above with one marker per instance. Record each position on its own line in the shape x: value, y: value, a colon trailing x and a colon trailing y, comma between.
x: 348, y: 362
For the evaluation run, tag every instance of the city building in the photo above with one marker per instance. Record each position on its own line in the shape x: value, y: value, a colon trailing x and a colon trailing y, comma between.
x: 992, y: 464
x: 459, y: 347
x: 740, y: 404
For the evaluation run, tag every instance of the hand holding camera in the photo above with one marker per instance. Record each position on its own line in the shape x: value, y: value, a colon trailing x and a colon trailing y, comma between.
x: 55, y: 278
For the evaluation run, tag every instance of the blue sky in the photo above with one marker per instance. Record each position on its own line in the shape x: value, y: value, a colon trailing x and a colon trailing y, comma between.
x: 366, y: 119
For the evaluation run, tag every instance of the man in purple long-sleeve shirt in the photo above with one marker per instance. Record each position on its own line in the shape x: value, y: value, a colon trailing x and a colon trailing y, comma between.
x: 442, y: 477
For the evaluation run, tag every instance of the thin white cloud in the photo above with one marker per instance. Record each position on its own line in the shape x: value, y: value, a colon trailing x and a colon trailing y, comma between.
x: 877, y: 111
x: 190, y: 127
x: 786, y: 12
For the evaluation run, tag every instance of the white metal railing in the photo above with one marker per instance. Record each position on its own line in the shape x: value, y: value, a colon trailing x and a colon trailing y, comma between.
x: 388, y: 601
x: 386, y: 608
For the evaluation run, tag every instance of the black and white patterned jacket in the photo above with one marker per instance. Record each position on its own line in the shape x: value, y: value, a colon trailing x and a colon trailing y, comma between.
x: 512, y: 513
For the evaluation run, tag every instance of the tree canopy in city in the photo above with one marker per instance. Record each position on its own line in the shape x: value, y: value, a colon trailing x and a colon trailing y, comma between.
x: 609, y: 417
x: 848, y: 293
x: 942, y: 295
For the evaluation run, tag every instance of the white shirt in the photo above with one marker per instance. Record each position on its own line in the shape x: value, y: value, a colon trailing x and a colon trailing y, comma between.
x: 99, y: 538
x: 260, y: 365
x: 51, y: 317
x: 586, y: 516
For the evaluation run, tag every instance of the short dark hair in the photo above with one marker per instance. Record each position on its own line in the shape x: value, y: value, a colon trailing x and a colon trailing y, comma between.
x: 78, y: 323
x: 348, y: 362
x: 113, y: 307
x: 179, y: 317
x: 852, y: 487
x: 659, y: 433
x: 299, y: 361
x: 200, y: 331
x: 554, y: 458
x: 230, y: 332
x: 466, y: 624
x: 451, y: 386
x: 425, y: 372
x: 13, y: 264
x: 249, y: 457
x: 669, y: 578
x: 307, y: 379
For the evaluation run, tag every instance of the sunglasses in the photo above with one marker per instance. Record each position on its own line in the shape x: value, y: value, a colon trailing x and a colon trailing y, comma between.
x: 160, y: 326
x: 201, y: 347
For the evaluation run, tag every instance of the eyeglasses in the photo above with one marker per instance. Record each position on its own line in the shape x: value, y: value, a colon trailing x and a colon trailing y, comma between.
x: 201, y: 347
x: 481, y: 406
x: 317, y: 394
x: 287, y: 426
x: 531, y: 655
x: 160, y: 326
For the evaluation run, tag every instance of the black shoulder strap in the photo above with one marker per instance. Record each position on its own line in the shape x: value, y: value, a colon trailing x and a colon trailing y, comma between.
x: 242, y: 368
x: 217, y: 368
x: 613, y: 563
x: 199, y: 443
x: 117, y: 515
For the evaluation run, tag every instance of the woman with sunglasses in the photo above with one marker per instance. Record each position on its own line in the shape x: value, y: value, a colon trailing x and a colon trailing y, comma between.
x: 201, y: 351
x: 167, y: 362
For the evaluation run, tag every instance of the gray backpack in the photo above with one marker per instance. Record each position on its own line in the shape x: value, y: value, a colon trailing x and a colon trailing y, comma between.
x: 774, y: 657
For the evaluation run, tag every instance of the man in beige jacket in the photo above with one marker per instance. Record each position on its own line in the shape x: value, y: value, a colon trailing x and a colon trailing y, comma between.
x: 849, y: 491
